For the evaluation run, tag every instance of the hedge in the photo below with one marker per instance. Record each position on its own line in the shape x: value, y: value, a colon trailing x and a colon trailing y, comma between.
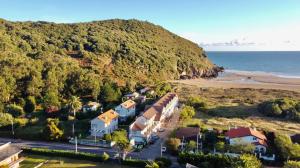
x: 65, y: 153
x: 214, y: 161
x: 134, y: 162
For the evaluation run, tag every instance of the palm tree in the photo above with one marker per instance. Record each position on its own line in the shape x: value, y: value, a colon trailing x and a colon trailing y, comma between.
x: 74, y: 105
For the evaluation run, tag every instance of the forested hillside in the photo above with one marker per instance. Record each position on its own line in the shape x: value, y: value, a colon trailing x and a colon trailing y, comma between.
x: 37, y: 58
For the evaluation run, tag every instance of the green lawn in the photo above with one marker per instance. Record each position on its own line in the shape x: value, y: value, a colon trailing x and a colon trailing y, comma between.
x: 59, y: 162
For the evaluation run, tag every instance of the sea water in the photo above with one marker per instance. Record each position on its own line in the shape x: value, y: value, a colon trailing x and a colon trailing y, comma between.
x: 279, y: 63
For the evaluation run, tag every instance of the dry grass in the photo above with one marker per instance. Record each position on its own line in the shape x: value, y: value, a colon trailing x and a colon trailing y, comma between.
x: 238, y: 107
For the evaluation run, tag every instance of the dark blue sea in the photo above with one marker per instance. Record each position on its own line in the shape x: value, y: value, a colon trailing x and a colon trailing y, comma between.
x: 280, y: 63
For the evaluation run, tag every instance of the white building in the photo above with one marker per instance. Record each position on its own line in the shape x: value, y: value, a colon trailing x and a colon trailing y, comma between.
x: 126, y: 109
x: 91, y: 106
x: 105, y: 123
x: 9, y: 155
x: 243, y: 135
x: 150, y: 121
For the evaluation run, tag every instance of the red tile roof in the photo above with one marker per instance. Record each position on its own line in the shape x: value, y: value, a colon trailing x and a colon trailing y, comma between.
x: 242, y: 132
x: 137, y: 127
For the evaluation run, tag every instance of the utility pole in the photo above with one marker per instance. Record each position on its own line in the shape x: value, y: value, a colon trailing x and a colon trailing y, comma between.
x: 197, y: 143
x: 12, y: 128
x: 76, y: 145
x: 160, y: 149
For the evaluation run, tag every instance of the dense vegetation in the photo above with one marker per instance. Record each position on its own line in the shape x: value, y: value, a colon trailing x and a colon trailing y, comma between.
x: 284, y: 108
x: 46, y: 59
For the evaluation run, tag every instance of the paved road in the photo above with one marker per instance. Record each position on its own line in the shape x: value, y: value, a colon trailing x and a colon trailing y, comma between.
x: 63, y: 146
x: 153, y: 151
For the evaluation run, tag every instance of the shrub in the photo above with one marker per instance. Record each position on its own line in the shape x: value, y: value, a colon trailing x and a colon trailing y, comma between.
x: 173, y: 144
x: 134, y: 162
x: 15, y: 110
x: 292, y: 164
x: 104, y: 156
x: 163, y: 162
x: 30, y: 104
x: 286, y: 148
x: 187, y: 112
x: 5, y: 119
x: 247, y: 161
x: 107, y: 137
x: 52, y: 132
x: 215, y: 161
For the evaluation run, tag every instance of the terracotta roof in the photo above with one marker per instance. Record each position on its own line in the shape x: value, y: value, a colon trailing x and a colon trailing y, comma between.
x: 159, y: 105
x: 128, y: 104
x: 137, y: 126
x: 242, y: 131
x: 261, y: 142
x: 52, y: 109
x: 187, y: 132
x: 108, y: 116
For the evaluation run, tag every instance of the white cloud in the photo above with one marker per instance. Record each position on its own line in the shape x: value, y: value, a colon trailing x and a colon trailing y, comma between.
x: 284, y: 37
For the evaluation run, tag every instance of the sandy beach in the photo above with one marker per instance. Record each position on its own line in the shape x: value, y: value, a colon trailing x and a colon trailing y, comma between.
x: 247, y: 80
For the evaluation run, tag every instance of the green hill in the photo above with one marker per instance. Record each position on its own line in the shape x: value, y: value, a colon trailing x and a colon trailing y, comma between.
x: 40, y: 56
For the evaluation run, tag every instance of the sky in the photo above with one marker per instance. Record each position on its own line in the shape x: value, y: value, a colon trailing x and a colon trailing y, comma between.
x: 216, y: 25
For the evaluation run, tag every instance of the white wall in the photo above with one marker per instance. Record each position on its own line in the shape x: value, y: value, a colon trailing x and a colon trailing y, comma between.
x: 103, y: 128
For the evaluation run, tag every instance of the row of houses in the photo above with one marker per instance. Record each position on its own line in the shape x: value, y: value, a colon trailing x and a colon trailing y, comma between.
x: 107, y: 122
x: 141, y: 130
x: 143, y: 127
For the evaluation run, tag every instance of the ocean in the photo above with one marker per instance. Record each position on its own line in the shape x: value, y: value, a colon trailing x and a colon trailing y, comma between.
x: 279, y: 63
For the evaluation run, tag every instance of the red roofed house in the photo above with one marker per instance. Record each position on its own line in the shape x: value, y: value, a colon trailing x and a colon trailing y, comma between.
x: 105, y: 123
x: 244, y: 135
x: 126, y: 109
x: 150, y: 121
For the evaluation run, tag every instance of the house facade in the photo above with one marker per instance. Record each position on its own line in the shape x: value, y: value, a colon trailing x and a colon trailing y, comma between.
x: 150, y: 121
x: 105, y: 123
x: 91, y: 106
x: 247, y: 136
x: 126, y: 110
x: 9, y: 155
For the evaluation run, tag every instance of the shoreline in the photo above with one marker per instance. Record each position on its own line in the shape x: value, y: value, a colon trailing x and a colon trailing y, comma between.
x: 245, y: 79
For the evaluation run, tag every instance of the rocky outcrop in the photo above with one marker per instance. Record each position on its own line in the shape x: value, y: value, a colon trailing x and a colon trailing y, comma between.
x: 202, y: 73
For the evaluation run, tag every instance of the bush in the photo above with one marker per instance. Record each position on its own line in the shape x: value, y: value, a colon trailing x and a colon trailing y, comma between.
x: 30, y: 104
x: 5, y: 119
x: 107, y: 137
x: 15, y: 110
x: 187, y: 112
x: 173, y: 144
x: 292, y: 164
x: 214, y: 161
x: 134, y: 162
x: 286, y: 148
x: 247, y: 161
x: 105, y: 156
x: 65, y: 153
x: 163, y: 162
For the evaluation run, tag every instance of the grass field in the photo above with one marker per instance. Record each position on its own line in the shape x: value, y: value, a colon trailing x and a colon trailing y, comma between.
x: 59, y: 162
x: 237, y: 107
